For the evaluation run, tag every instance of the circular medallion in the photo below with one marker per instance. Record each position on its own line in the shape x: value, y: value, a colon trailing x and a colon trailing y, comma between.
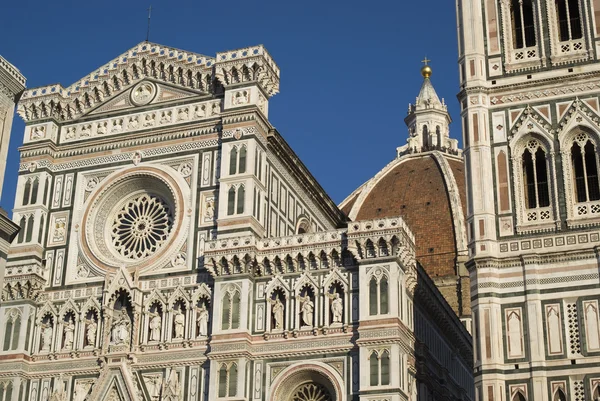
x: 143, y: 93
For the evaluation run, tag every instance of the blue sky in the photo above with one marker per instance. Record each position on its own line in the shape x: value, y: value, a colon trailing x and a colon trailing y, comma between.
x: 348, y: 69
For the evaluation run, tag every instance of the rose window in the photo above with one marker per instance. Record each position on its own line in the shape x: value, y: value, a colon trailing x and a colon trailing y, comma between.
x: 141, y: 226
x: 311, y: 392
x: 134, y: 219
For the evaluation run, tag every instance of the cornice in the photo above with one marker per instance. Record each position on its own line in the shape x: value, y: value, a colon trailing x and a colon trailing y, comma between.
x: 12, y: 82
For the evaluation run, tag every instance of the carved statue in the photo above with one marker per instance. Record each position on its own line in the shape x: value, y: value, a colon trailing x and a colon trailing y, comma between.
x: 277, y: 310
x: 202, y: 320
x: 121, y: 328
x: 179, y: 321
x: 117, y: 125
x: 200, y: 111
x: 69, y: 329
x: 133, y: 123
x: 90, y: 331
x: 86, y: 130
x: 149, y: 120
x: 155, y: 324
x: 172, y: 387
x: 337, y: 307
x: 59, y: 394
x: 182, y: 114
x: 46, y: 336
x: 166, y: 117
x: 101, y: 129
x: 307, y: 308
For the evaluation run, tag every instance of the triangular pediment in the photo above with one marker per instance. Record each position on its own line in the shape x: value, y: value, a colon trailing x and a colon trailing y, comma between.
x: 178, y: 71
x: 156, y: 93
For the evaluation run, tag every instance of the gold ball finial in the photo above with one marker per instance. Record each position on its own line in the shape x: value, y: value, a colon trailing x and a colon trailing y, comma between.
x: 426, y: 70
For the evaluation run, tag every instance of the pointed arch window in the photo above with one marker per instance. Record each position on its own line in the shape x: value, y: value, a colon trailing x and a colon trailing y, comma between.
x: 585, y: 170
x: 26, y: 193
x: 230, y: 318
x: 568, y: 18
x: 22, y: 225
x: 233, y: 161
x: 29, y: 233
x: 523, y: 23
x: 582, y: 179
x: 228, y: 376
x: 559, y: 395
x: 237, y: 160
x: 34, y: 191
x: 379, y: 368
x: 236, y: 197
x: 378, y: 295
x: 535, y: 176
x: 519, y: 396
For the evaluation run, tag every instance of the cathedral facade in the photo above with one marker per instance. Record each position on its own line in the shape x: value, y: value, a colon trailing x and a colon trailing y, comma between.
x: 530, y: 81
x: 173, y: 247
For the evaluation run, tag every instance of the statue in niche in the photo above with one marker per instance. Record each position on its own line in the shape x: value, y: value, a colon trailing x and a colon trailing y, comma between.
x: 70, y: 133
x: 277, y: 309
x: 86, y: 130
x: 46, y: 336
x: 101, y: 130
x: 155, y: 324
x: 337, y: 307
x: 202, y: 320
x: 153, y: 383
x: 121, y: 328
x: 69, y: 329
x: 307, y: 308
x: 171, y: 387
x: 133, y: 123
x: 59, y: 393
x: 182, y: 114
x: 166, y: 117
x: 200, y: 111
x: 149, y: 120
x: 209, y: 213
x: 179, y: 321
x: 216, y: 108
x: 90, y: 331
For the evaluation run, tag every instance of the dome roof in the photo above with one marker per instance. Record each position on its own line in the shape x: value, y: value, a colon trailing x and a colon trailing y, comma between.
x: 428, y: 191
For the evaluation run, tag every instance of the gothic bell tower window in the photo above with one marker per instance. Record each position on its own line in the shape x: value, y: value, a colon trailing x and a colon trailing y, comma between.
x: 582, y: 181
x: 520, y: 34
x: 523, y: 24
x: 569, y: 20
x: 532, y: 168
x: 566, y: 28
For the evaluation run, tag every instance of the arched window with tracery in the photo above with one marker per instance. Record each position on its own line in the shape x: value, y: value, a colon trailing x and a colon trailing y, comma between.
x: 533, y: 182
x: 228, y: 374
x: 378, y: 294
x: 582, y: 181
x: 584, y: 160
x: 230, y: 317
x: 568, y: 19
x: 233, y: 161
x: 379, y: 368
x: 523, y: 23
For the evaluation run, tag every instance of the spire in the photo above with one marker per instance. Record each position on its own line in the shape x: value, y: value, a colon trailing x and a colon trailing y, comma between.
x: 428, y: 120
x: 427, y: 96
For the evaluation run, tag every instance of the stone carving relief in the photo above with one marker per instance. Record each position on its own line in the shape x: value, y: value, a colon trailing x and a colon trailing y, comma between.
x: 143, y: 93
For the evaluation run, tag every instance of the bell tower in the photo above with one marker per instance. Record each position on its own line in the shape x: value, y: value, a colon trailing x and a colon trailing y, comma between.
x: 530, y: 86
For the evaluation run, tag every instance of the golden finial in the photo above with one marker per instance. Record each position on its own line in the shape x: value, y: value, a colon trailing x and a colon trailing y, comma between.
x: 426, y: 70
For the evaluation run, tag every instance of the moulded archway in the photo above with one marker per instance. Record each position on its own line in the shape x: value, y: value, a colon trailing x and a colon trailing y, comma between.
x: 313, y: 381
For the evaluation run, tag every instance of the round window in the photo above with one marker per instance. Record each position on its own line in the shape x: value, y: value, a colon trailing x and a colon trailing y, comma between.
x: 133, y: 219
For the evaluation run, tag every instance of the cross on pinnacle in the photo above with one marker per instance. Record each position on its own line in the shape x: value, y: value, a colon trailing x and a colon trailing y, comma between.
x: 425, y: 61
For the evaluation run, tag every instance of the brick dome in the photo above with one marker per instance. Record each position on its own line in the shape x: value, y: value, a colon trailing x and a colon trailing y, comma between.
x: 428, y: 191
